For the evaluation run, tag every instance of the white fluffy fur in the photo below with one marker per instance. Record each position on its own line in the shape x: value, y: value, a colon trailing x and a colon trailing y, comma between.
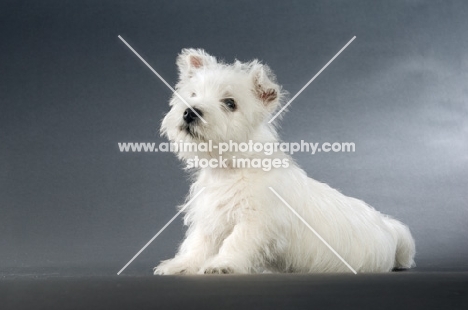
x: 237, y: 225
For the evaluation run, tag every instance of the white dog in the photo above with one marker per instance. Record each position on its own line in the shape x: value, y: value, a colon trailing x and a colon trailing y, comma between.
x: 237, y: 224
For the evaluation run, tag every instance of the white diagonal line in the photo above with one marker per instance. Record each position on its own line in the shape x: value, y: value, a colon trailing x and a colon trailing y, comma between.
x: 161, y: 78
x: 161, y: 230
x: 313, y: 230
x: 311, y: 80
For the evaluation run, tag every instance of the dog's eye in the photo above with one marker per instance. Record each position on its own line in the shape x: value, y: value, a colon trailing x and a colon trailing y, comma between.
x: 230, y: 103
x: 193, y: 95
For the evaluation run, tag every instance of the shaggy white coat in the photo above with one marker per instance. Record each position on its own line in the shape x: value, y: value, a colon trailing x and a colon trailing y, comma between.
x: 237, y: 225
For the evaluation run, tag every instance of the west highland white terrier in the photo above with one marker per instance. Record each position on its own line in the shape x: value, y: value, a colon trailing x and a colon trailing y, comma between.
x: 237, y: 224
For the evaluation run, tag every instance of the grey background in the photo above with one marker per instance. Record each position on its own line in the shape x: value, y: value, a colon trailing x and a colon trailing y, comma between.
x: 70, y: 90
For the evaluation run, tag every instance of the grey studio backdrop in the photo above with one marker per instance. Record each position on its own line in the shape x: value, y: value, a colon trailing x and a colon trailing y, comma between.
x: 70, y: 90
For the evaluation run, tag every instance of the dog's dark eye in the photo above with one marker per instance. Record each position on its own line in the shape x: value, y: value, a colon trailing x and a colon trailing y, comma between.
x: 193, y: 95
x: 230, y: 103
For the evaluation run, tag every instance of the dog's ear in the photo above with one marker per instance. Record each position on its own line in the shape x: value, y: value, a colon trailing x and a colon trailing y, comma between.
x: 265, y: 88
x: 191, y: 59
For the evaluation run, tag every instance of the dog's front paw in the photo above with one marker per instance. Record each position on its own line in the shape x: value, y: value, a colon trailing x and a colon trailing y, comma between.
x: 218, y: 270
x: 222, y: 266
x: 174, y: 266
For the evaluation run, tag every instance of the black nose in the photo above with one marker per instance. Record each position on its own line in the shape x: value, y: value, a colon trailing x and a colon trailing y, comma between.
x: 190, y: 116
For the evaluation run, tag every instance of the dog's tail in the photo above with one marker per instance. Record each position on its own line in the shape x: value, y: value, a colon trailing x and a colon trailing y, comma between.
x: 406, y: 249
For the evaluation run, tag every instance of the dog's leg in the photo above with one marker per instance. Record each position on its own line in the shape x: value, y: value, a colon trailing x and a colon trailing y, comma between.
x: 240, y: 252
x: 193, y: 252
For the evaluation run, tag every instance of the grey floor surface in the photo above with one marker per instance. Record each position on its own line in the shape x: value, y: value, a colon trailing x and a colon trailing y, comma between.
x: 398, y: 290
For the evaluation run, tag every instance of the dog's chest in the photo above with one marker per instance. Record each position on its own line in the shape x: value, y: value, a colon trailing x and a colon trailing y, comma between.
x: 226, y: 198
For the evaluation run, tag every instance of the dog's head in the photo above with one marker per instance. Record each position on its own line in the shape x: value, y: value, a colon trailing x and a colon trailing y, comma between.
x: 220, y: 102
